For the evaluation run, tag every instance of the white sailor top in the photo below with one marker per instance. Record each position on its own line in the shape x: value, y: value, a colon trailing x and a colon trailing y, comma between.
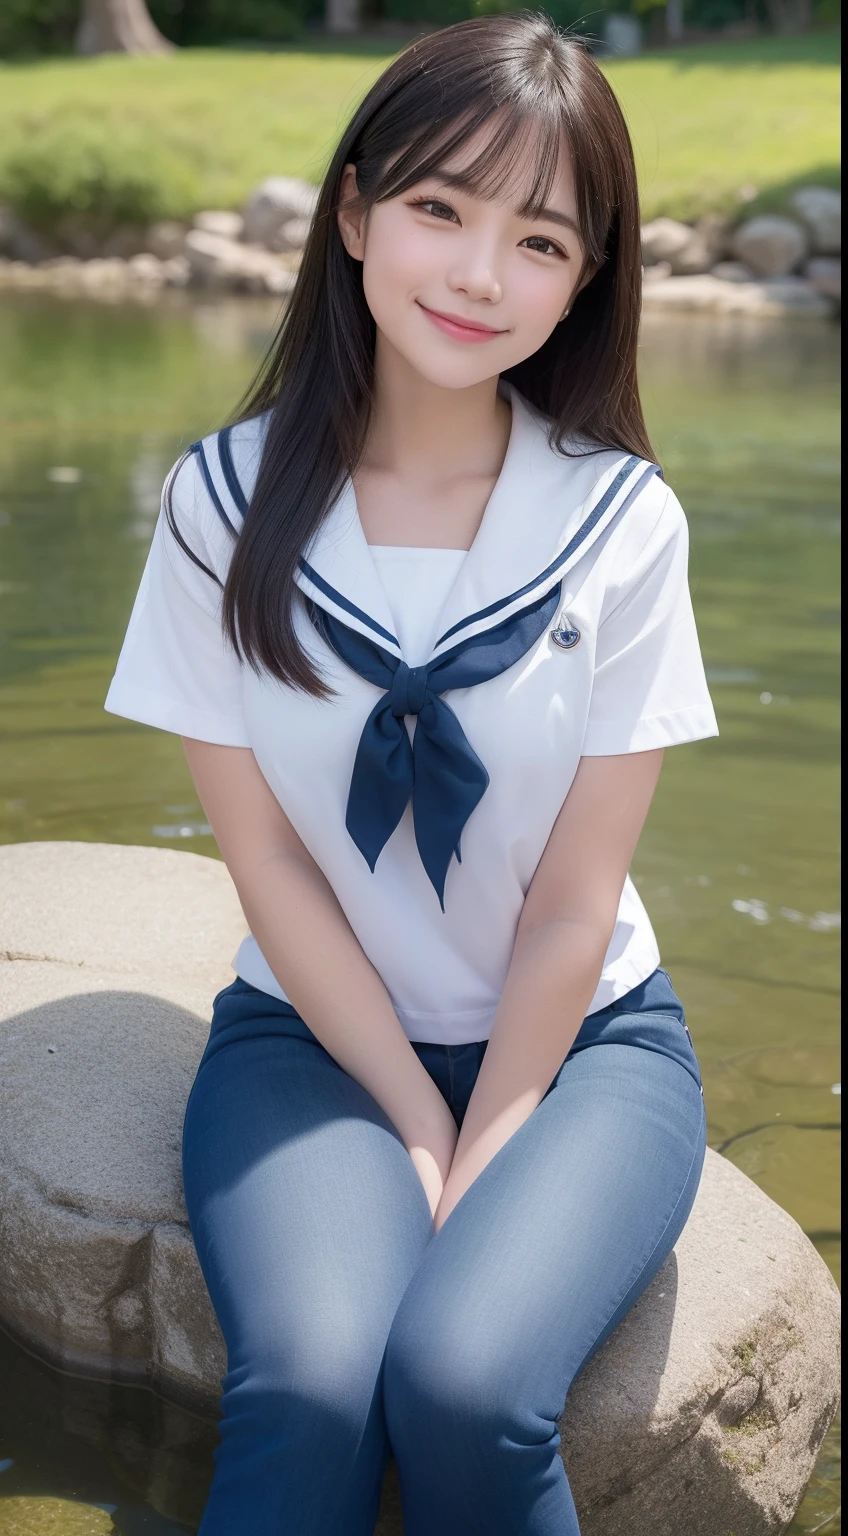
x: 426, y: 791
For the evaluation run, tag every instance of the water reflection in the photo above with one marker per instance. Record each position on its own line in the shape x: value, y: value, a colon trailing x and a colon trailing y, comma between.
x: 114, y: 1446
x: 737, y: 865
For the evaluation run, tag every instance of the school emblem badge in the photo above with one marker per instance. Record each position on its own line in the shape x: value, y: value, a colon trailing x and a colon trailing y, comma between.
x: 564, y: 635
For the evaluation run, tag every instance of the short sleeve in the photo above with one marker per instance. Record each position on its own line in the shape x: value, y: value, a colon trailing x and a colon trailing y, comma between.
x: 176, y: 670
x: 649, y: 687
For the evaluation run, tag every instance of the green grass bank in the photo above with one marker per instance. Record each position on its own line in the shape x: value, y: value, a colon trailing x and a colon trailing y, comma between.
x: 127, y: 140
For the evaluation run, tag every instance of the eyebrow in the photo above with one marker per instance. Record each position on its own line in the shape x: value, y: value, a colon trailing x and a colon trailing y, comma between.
x: 549, y: 215
x: 553, y: 216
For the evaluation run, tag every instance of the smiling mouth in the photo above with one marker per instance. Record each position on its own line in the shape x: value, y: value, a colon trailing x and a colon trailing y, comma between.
x: 460, y: 329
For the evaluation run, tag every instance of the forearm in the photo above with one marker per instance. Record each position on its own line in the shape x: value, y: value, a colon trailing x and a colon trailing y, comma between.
x: 567, y: 921
x: 312, y: 950
x: 317, y: 959
x: 551, y: 981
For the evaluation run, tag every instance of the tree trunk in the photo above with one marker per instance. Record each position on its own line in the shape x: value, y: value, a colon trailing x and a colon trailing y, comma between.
x: 118, y: 26
x: 674, y: 21
x: 341, y: 16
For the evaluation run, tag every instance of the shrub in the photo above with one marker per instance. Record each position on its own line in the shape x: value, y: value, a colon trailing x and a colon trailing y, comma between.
x: 223, y: 21
x: 98, y: 173
x: 32, y: 27
x: 37, y: 26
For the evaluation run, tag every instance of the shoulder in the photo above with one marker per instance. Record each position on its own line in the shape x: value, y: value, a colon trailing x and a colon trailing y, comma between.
x: 647, y: 515
x: 580, y: 481
x: 209, y: 487
x: 653, y: 521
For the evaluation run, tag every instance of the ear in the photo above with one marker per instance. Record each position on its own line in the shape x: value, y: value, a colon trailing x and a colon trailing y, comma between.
x: 351, y: 218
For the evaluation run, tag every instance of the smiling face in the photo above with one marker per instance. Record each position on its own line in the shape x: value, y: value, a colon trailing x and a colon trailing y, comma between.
x: 461, y: 285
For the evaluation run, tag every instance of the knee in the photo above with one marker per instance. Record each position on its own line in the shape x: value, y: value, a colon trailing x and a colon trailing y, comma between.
x: 455, y: 1385
x: 287, y: 1389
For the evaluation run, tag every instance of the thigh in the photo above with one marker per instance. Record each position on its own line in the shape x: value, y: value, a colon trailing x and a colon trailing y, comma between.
x: 307, y: 1214
x: 558, y: 1235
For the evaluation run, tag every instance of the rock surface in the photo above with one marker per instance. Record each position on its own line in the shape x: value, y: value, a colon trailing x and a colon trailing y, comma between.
x: 220, y: 222
x: 825, y: 274
x: 218, y: 262
x: 703, y: 1412
x: 272, y: 205
x: 820, y: 210
x: 771, y: 246
x: 166, y: 238
x: 109, y: 279
x: 665, y: 240
x: 733, y: 272
x: 773, y: 298
x: 684, y: 248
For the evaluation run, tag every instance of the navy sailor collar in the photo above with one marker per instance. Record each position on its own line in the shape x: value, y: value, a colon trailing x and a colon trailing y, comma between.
x: 544, y: 514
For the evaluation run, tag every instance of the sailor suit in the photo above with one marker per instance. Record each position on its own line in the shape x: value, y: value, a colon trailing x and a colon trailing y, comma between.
x: 426, y: 786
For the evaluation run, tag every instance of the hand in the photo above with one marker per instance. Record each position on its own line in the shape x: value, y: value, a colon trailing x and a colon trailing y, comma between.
x: 432, y: 1153
x: 446, y: 1204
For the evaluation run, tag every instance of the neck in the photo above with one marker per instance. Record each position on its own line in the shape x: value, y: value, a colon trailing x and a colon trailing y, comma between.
x: 425, y: 429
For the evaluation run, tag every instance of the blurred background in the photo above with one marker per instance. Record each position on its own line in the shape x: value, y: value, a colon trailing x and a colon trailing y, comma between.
x: 144, y: 259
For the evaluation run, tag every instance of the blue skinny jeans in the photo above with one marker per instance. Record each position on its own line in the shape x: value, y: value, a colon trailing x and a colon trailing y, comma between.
x: 354, y: 1331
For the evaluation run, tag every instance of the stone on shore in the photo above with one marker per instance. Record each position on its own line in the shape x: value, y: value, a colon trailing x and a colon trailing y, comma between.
x: 686, y: 248
x: 733, y: 272
x: 708, y: 294
x: 166, y: 238
x: 275, y: 203
x: 220, y: 221
x: 825, y: 274
x: 820, y: 210
x: 770, y: 245
x: 218, y: 262
x: 702, y: 1413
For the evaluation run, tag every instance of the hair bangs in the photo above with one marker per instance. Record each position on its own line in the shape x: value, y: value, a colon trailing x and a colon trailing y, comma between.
x: 517, y: 162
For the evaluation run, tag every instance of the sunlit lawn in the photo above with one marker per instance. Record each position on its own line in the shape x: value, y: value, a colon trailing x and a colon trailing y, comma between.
x: 207, y: 124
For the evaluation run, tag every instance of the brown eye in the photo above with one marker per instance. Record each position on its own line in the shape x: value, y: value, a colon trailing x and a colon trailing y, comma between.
x: 437, y: 209
x: 543, y: 246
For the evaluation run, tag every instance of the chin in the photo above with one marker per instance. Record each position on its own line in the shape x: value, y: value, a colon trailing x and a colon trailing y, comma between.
x: 457, y: 378
x: 455, y: 372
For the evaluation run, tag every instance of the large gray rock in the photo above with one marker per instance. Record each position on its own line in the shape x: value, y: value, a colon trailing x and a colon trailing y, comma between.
x: 686, y: 248
x: 218, y: 262
x: 703, y: 1412
x: 770, y: 245
x: 177, y: 924
x: 820, y: 210
x: 272, y: 205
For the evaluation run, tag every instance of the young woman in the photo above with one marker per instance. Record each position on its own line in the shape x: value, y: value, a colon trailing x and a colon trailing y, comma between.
x: 421, y: 617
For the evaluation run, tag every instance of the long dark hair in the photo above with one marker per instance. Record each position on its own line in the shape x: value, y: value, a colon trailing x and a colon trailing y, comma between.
x: 534, y: 87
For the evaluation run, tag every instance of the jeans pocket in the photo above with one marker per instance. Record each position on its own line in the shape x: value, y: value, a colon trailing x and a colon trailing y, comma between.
x: 664, y: 1030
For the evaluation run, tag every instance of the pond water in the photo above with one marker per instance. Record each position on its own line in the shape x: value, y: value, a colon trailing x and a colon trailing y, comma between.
x: 738, y: 864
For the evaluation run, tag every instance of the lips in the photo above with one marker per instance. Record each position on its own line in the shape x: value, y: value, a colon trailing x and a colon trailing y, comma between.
x: 458, y: 327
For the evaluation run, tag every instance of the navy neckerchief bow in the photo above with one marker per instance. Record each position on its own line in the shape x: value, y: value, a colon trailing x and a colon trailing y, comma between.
x: 439, y: 768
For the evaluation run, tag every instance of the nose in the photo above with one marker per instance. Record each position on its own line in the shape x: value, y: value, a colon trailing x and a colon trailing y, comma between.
x: 474, y: 273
